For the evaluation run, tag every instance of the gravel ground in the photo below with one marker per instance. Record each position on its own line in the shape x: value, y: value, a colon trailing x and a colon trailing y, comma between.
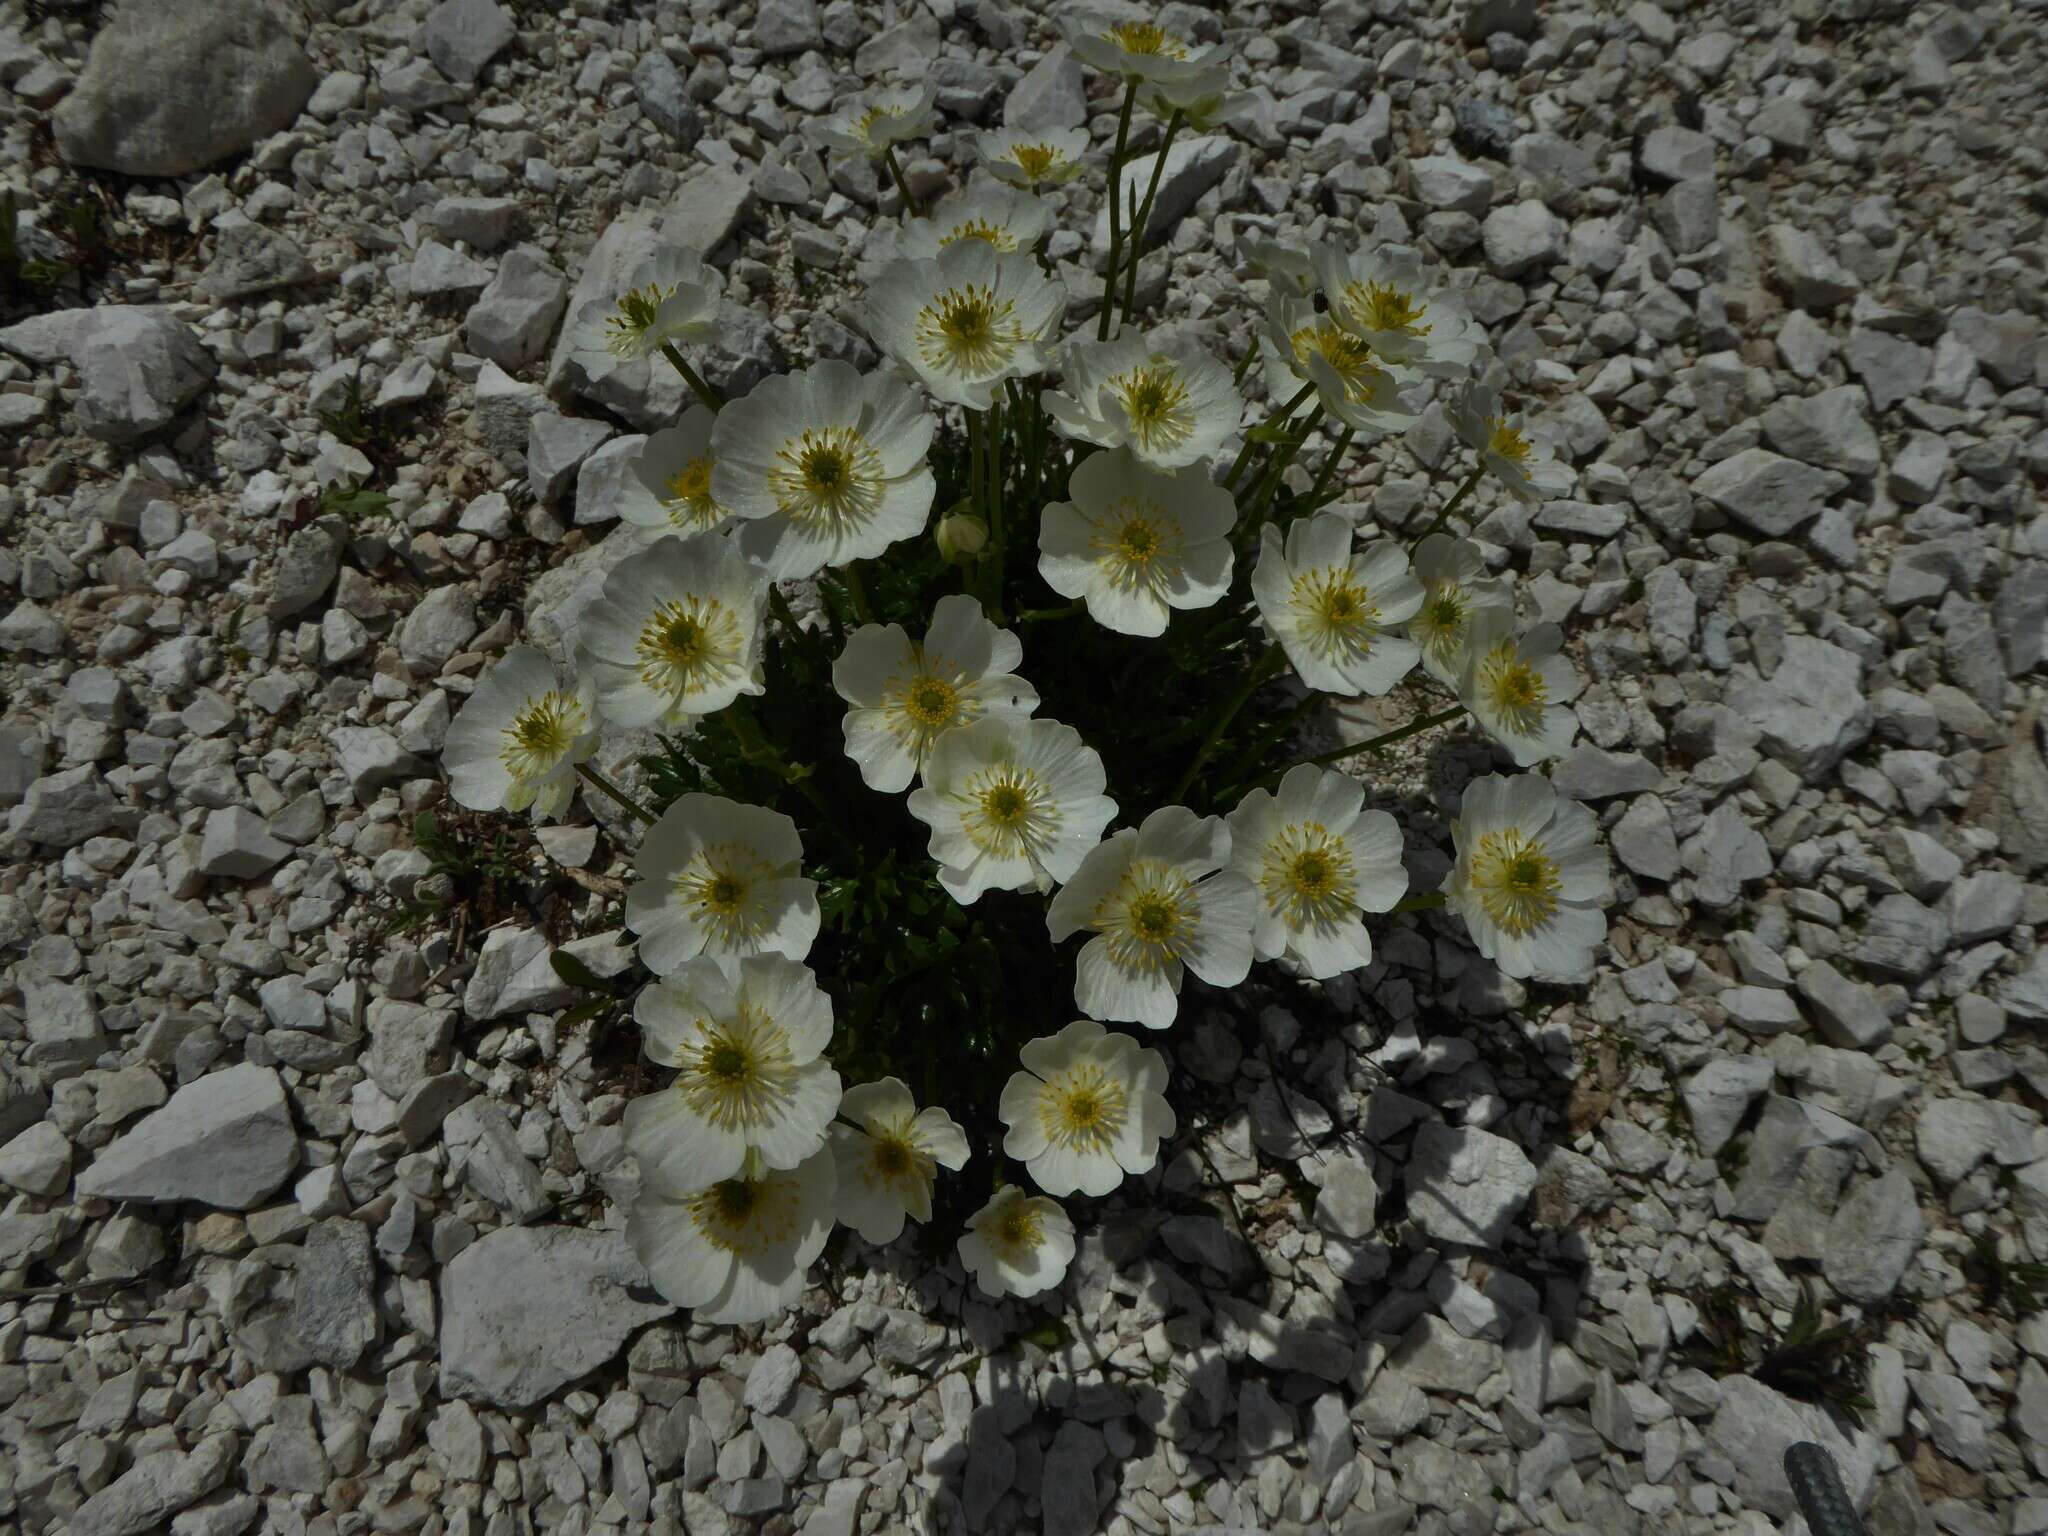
x: 311, y: 1217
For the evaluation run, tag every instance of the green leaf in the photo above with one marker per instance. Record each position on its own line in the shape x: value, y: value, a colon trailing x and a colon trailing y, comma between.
x: 576, y: 973
x: 583, y: 1011
x: 1049, y: 1335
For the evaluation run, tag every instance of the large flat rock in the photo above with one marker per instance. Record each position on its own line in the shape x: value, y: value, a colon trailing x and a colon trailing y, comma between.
x: 226, y: 1140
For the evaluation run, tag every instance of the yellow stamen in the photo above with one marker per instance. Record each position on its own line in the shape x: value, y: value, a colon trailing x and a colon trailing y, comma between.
x: 1150, y: 916
x: 1335, y: 611
x: 968, y: 330
x: 540, y: 734
x: 980, y: 229
x: 827, y: 475
x: 1516, y: 880
x: 1154, y: 399
x: 1515, y: 689
x: 1382, y: 307
x: 747, y: 1215
x: 1307, y: 875
x: 1083, y: 1109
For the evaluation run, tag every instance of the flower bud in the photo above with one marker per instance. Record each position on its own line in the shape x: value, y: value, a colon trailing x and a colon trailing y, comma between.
x: 961, y: 538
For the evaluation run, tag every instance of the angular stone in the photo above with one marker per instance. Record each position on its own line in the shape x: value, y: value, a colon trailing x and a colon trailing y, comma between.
x: 249, y: 259
x: 1830, y: 430
x: 2011, y: 797
x: 63, y: 809
x: 334, y: 1309
x: 2006, y: 345
x: 1811, y: 712
x: 38, y: 1161
x: 1677, y: 154
x: 237, y: 843
x: 439, y: 627
x: 664, y: 96
x: 1051, y: 95
x: 512, y: 320
x: 1718, y: 1096
x: 1873, y: 1237
x: 1522, y: 236
x: 1754, y: 1425
x: 137, y: 107
x: 1193, y: 166
x: 1466, y: 1185
x: 1348, y: 1203
x: 527, y: 1310
x: 1768, y: 492
x: 159, y: 1485
x: 1447, y: 183
x: 371, y: 758
x: 1811, y: 277
x: 1848, y: 1013
x: 462, y: 36
x: 224, y: 1140
x: 1892, y: 368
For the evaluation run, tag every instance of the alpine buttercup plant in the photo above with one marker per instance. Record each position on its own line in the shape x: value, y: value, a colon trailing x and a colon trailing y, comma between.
x: 976, y: 680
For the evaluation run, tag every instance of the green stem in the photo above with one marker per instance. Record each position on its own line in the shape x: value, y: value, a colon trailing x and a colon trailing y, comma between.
x: 1116, y: 231
x: 1269, y: 480
x: 1261, y: 670
x: 691, y: 376
x: 1418, y: 903
x: 995, y: 509
x: 1452, y: 505
x: 902, y: 186
x: 1144, y: 218
x: 1267, y: 742
x: 857, y: 593
x: 1244, y: 364
x: 1039, y: 615
x: 757, y: 748
x: 1330, y: 465
x: 1251, y: 443
x: 598, y: 781
x: 1381, y: 742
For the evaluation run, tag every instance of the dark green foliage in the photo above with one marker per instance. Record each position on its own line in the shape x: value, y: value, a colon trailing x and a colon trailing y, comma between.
x: 2017, y: 1285
x: 481, y: 870
x: 923, y: 988
x: 30, y: 282
x: 1811, y: 1359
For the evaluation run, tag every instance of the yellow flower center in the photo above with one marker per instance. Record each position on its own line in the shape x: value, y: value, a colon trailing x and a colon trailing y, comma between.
x: 745, y: 1216
x: 1440, y: 626
x: 932, y: 702
x: 1308, y: 875
x: 980, y: 229
x: 541, y: 734
x: 892, y: 1158
x: 827, y: 475
x: 1334, y: 610
x: 1083, y: 1109
x: 1149, y: 917
x: 718, y: 888
x: 1154, y: 400
x: 689, y: 500
x: 687, y: 644
x: 626, y: 329
x: 1017, y: 1227
x: 1506, y: 441
x: 1516, y: 881
x: 1035, y: 160
x: 1515, y: 689
x: 1147, y: 40
x: 1009, y: 812
x: 1138, y: 542
x: 1382, y: 307
x: 865, y: 125
x: 736, y: 1073
x: 968, y: 330
x: 1364, y: 381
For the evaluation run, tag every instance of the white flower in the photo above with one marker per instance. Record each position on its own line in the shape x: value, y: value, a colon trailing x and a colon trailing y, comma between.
x: 876, y: 122
x: 674, y: 465
x: 1517, y: 686
x: 1455, y: 592
x: 1316, y: 857
x: 1529, y: 876
x: 1522, y: 464
x: 739, y: 1251
x: 1169, y: 402
x: 1286, y: 267
x: 1136, y: 541
x: 826, y: 466
x: 720, y: 878
x: 1160, y: 902
x: 1136, y: 50
x: 515, y: 744
x: 1017, y: 1244
x: 678, y: 632
x: 1088, y: 1108
x: 1204, y: 99
x: 966, y: 320
x: 1382, y: 298
x: 1336, y: 611
x: 1352, y: 383
x: 999, y: 215
x: 670, y: 296
x: 1025, y: 159
x: 889, y: 1157
x: 905, y: 693
x: 1013, y: 805
x: 745, y: 1044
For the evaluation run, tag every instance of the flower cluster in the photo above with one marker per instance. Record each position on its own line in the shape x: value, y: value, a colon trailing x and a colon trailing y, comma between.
x: 757, y: 1146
